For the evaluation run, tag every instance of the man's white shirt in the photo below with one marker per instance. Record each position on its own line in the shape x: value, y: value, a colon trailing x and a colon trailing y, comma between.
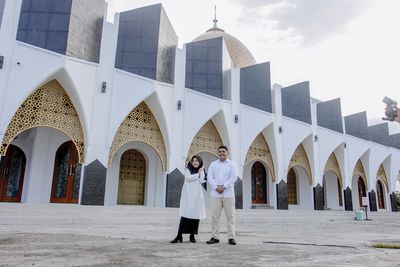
x: 222, y: 173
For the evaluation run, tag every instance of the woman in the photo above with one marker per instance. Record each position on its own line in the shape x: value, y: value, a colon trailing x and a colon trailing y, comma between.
x: 192, y: 208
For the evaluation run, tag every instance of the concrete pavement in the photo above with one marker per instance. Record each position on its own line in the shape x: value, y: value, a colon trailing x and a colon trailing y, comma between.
x: 73, y: 235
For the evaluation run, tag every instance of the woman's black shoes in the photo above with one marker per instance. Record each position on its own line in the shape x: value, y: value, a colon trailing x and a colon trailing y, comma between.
x: 177, y: 239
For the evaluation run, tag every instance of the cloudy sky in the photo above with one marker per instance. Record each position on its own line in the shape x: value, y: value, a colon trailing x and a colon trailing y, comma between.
x: 345, y: 48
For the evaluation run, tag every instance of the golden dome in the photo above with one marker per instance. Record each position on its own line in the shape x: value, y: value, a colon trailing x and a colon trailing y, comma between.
x: 240, y: 55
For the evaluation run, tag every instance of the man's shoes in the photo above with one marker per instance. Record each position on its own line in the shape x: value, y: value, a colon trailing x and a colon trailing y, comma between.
x: 231, y: 241
x: 212, y: 241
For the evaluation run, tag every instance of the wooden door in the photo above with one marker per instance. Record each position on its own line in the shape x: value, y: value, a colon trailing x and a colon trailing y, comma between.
x: 12, y: 170
x: 66, y: 176
x: 259, y: 183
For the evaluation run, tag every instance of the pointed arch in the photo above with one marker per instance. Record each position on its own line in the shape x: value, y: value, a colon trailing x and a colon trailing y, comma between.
x: 333, y: 165
x: 48, y: 106
x: 259, y: 150
x: 207, y: 139
x: 141, y: 126
x: 359, y: 171
x: 381, y: 175
x: 300, y: 158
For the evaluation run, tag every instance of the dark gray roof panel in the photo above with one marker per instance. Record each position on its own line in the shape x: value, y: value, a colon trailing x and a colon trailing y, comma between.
x: 380, y: 134
x: 329, y: 115
x: 68, y: 27
x: 296, y: 103
x: 2, y: 4
x: 357, y: 125
x: 395, y: 140
x: 204, y: 67
x: 147, y: 43
x: 255, y: 86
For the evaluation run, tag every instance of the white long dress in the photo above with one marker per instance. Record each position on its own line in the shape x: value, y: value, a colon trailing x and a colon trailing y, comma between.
x: 192, y: 198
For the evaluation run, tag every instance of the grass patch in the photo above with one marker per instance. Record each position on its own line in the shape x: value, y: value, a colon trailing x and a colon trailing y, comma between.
x: 384, y: 245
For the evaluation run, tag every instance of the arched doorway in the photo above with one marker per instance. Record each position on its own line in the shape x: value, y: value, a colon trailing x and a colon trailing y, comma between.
x: 332, y: 184
x: 258, y: 183
x: 332, y: 191
x: 67, y: 174
x: 132, y: 178
x: 12, y: 171
x: 380, y: 194
x: 361, y: 190
x: 292, y: 187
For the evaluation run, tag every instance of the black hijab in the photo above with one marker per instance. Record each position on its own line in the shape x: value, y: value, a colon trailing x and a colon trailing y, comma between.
x: 190, y: 167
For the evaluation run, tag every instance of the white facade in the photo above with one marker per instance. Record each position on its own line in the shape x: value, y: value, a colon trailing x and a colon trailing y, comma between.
x: 27, y: 67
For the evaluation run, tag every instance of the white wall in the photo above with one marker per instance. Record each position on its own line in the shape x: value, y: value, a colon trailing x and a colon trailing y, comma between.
x: 304, y: 191
x: 40, y: 146
x: 328, y: 143
x: 331, y: 191
x: 102, y: 113
x: 356, y: 148
x: 294, y: 133
x: 207, y: 159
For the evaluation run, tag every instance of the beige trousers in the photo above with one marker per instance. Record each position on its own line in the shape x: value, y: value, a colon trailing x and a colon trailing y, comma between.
x: 228, y: 204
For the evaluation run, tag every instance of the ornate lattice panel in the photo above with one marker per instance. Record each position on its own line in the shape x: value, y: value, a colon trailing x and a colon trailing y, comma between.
x: 141, y: 126
x: 300, y: 158
x: 132, y: 177
x: 339, y: 186
x: 359, y: 171
x: 259, y: 150
x: 206, y: 140
x: 48, y: 106
x: 333, y: 165
x: 382, y: 176
x: 292, y: 187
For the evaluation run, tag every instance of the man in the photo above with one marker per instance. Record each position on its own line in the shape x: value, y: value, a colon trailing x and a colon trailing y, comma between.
x: 222, y: 175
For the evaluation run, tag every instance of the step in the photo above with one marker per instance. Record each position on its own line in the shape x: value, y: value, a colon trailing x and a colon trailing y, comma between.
x: 261, y: 206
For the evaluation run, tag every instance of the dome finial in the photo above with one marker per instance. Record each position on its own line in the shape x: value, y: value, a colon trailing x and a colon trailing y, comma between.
x: 215, y: 17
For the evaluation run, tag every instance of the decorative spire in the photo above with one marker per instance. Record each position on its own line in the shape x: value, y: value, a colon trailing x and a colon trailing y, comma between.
x: 215, y: 27
x: 215, y: 17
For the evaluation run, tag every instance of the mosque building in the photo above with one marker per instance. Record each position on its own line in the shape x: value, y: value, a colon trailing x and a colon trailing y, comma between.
x: 95, y: 112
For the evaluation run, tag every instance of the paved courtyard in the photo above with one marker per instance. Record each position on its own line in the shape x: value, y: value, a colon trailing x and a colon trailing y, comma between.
x: 73, y: 235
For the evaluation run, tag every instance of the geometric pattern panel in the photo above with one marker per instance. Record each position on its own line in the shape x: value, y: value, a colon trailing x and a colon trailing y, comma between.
x: 259, y: 150
x: 141, y: 126
x: 132, y: 175
x: 48, y: 106
x: 333, y: 165
x: 292, y: 187
x: 206, y: 140
x: 382, y: 176
x: 300, y: 158
x: 359, y: 171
